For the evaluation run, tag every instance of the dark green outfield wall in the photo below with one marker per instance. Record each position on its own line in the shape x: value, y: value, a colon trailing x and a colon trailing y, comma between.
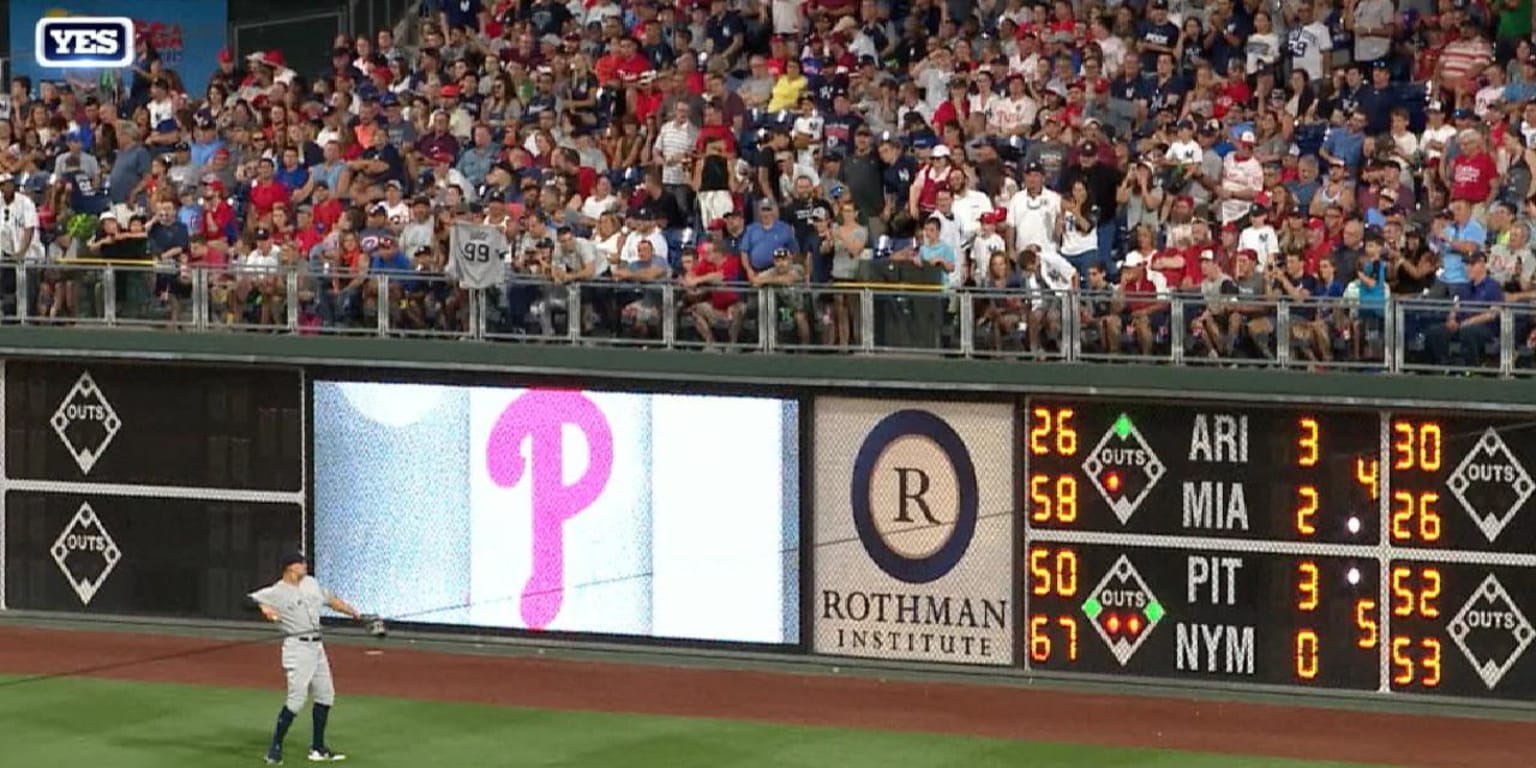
x: 840, y: 372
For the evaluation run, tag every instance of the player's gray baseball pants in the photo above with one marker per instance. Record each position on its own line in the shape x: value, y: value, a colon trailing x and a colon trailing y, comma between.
x: 309, y: 673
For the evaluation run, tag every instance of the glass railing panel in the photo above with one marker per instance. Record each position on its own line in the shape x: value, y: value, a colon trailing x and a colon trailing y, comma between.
x: 1451, y: 336
x: 65, y: 293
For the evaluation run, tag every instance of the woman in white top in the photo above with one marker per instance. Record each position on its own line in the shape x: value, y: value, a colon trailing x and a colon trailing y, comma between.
x: 850, y: 246
x: 1263, y: 46
x: 607, y: 243
x: 1303, y: 97
x: 983, y: 100
x: 601, y: 201
x: 1078, y: 228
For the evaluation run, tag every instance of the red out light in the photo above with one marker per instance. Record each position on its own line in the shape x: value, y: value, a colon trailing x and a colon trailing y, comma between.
x: 1112, y: 482
x: 1112, y: 624
x: 1133, y: 625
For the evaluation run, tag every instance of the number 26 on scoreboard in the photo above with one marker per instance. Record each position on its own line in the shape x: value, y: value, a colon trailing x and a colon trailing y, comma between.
x: 1415, y: 514
x: 1051, y: 432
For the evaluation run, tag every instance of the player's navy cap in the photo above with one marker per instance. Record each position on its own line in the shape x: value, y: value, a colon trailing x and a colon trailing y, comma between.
x: 292, y: 558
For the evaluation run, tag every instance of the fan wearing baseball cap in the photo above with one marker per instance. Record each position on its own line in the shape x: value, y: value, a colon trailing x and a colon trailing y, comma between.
x: 1475, y: 324
x: 1211, y: 319
x: 1141, y: 301
x: 1242, y: 179
x: 924, y: 194
x: 1260, y: 236
x: 987, y: 241
x: 1290, y: 280
x: 1033, y: 211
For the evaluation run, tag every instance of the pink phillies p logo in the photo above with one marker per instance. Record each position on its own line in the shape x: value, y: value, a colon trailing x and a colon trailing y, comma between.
x: 540, y: 415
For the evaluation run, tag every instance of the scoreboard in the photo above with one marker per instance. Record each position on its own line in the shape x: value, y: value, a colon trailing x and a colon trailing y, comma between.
x: 1294, y: 545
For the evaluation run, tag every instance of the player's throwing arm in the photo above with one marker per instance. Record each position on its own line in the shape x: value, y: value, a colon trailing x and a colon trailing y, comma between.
x: 294, y: 603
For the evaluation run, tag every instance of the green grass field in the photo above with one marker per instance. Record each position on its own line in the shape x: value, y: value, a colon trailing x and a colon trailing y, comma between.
x: 69, y: 722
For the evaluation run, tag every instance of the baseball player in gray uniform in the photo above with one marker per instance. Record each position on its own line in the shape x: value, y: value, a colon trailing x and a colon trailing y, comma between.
x: 294, y: 603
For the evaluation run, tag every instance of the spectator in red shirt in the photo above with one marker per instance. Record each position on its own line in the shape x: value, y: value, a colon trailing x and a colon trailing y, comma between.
x: 327, y: 207
x: 778, y: 55
x: 1464, y: 58
x: 646, y: 100
x: 957, y: 107
x: 692, y: 78
x: 282, y: 226
x: 1472, y: 174
x: 1142, y: 302
x: 631, y: 62
x: 308, y: 233
x: 714, y: 127
x: 713, y: 306
x: 267, y: 191
x: 1319, y: 245
x: 1179, y: 265
x: 218, y: 216
x: 437, y: 140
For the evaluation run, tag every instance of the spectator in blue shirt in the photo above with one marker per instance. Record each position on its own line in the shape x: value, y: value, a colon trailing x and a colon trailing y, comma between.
x: 169, y: 239
x: 1307, y: 180
x: 131, y: 166
x: 476, y: 161
x: 292, y: 172
x: 1462, y: 237
x: 1346, y: 143
x: 189, y: 210
x: 763, y: 237
x: 390, y: 261
x: 169, y: 242
x: 205, y: 142
x: 934, y: 252
x: 1472, y: 323
x: 1525, y: 89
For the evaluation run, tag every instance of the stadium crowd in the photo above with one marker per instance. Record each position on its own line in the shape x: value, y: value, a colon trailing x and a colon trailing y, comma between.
x: 1230, y: 152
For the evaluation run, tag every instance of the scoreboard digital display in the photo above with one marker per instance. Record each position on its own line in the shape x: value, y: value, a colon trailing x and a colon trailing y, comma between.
x: 1303, y: 546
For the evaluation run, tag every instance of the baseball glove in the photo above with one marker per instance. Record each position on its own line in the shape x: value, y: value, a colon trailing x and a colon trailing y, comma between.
x: 375, y: 624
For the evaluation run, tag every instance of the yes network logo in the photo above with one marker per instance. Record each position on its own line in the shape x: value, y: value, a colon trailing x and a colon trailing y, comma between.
x: 84, y: 42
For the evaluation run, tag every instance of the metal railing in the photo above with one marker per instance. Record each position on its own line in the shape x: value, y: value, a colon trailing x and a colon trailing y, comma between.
x: 1395, y: 335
